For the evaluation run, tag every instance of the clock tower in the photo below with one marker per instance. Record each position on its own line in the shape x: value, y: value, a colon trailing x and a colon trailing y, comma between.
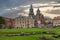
x: 31, y: 12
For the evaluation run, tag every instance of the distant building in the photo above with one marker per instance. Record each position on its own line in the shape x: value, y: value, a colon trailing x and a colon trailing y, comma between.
x: 32, y: 21
x: 48, y: 22
x: 39, y: 19
x: 56, y: 21
x: 24, y: 22
x: 9, y: 23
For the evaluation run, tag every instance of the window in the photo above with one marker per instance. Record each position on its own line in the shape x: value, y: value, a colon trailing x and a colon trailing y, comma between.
x: 20, y: 22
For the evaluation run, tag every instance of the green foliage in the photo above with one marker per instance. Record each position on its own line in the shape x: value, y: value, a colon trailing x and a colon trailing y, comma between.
x: 2, y: 20
x: 29, y: 30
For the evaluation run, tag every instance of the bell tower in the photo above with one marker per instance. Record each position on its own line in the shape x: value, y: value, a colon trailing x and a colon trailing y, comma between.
x: 39, y: 19
x: 31, y: 12
x: 38, y: 15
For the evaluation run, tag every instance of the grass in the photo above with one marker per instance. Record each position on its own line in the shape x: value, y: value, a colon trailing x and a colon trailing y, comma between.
x: 19, y: 38
x: 3, y: 31
x: 32, y: 37
x: 29, y: 30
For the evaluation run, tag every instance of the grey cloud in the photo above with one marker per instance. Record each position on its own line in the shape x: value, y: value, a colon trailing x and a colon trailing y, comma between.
x: 12, y: 13
x: 6, y: 4
x: 12, y: 3
x: 57, y: 11
x: 56, y: 6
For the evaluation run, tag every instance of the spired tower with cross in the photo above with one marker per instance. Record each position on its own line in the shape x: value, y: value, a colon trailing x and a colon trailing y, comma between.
x: 31, y: 12
x: 39, y: 19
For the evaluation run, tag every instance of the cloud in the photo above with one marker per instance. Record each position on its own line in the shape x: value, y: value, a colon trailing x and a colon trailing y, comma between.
x: 12, y: 8
x: 57, y: 11
x: 12, y: 12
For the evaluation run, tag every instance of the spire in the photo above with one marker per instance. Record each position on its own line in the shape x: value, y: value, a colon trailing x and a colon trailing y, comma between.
x: 31, y: 9
x: 31, y: 13
x: 38, y: 11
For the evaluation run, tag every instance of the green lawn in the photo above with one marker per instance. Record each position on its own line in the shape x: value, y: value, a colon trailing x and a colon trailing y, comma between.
x: 28, y: 30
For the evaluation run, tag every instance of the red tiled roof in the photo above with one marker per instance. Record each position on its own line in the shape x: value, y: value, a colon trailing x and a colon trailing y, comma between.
x: 57, y: 18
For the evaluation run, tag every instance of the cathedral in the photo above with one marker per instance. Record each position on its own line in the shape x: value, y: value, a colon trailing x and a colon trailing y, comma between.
x: 32, y: 21
x: 39, y: 18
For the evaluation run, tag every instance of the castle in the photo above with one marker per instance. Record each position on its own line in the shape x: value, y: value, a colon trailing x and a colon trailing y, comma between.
x: 32, y: 21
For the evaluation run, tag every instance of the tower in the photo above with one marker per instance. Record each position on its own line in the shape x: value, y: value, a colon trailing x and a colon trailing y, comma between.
x: 39, y: 19
x: 38, y: 16
x: 31, y: 13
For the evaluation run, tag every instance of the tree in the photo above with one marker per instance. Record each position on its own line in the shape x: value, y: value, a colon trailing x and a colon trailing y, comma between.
x: 2, y: 22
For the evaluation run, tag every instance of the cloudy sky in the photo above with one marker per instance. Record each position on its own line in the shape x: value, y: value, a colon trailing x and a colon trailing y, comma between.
x: 14, y: 8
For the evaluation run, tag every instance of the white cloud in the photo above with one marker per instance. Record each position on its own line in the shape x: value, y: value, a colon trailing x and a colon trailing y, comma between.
x: 45, y: 9
x: 25, y: 6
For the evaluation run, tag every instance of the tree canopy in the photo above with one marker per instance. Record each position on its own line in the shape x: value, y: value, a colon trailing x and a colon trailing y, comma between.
x: 2, y: 20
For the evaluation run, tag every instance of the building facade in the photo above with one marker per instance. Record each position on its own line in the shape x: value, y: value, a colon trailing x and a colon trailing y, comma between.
x: 56, y: 21
x: 9, y: 23
x: 24, y: 22
x: 48, y: 22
